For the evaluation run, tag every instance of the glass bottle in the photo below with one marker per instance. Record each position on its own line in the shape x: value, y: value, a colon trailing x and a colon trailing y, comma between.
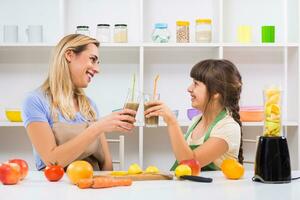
x: 120, y: 33
x: 84, y: 30
x: 103, y: 33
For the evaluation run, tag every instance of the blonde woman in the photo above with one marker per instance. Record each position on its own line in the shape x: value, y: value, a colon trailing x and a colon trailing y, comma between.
x: 61, y: 121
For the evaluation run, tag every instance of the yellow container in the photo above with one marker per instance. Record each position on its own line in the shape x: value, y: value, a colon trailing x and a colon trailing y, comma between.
x: 245, y: 34
x: 13, y: 115
x: 203, y: 21
x: 182, y: 23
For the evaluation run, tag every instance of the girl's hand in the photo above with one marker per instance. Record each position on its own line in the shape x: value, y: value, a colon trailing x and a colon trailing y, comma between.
x: 121, y: 121
x: 158, y: 108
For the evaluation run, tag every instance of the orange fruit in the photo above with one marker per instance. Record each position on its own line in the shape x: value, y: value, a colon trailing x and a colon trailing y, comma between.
x: 79, y: 170
x: 232, y: 169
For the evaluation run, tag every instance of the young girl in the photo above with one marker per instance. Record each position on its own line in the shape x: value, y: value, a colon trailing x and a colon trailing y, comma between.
x: 61, y: 121
x: 216, y: 134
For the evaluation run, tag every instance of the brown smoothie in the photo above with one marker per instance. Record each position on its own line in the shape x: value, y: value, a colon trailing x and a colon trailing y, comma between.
x: 132, y: 106
x: 151, y: 121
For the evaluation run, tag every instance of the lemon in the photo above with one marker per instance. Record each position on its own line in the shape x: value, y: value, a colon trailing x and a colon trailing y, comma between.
x: 182, y: 170
x: 134, y: 169
x: 152, y: 169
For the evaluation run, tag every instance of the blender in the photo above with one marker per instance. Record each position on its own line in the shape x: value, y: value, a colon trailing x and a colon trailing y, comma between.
x: 272, y: 162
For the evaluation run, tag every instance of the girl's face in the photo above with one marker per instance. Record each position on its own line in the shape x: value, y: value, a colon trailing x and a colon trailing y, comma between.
x: 83, y: 66
x: 199, y: 95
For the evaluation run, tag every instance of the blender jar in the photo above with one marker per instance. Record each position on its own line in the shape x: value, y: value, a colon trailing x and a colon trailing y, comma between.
x: 273, y: 112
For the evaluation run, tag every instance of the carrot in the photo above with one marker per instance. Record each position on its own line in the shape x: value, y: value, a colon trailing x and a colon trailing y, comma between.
x: 102, y: 182
x: 85, y: 183
x: 105, y: 182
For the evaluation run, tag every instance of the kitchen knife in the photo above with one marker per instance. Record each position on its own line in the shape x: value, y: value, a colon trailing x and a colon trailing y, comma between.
x: 197, y: 178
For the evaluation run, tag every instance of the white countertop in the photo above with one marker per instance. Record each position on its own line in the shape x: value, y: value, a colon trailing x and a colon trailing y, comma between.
x: 35, y: 186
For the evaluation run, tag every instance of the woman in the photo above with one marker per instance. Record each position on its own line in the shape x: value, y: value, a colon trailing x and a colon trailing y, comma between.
x: 61, y: 121
x: 216, y: 134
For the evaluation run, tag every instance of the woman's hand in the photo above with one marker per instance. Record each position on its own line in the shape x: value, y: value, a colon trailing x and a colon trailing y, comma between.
x: 121, y: 121
x: 158, y: 108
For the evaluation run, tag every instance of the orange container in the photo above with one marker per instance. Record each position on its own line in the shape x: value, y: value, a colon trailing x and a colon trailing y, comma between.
x: 252, y: 114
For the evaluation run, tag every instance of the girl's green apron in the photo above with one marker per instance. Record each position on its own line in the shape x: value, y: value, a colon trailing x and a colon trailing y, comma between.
x: 211, y: 166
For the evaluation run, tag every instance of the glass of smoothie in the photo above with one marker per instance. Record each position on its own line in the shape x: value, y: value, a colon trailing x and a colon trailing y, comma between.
x: 132, y: 100
x: 151, y: 121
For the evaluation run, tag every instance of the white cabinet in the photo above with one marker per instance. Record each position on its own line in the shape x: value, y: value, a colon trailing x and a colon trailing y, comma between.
x: 23, y: 65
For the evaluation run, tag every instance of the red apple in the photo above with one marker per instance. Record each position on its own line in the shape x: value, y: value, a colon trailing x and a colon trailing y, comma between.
x: 10, y: 173
x: 193, y: 164
x: 23, y: 166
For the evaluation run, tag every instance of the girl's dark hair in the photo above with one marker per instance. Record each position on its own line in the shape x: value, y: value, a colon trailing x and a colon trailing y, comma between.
x: 222, y: 76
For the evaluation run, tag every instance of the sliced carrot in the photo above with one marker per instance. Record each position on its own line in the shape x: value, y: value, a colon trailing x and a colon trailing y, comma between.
x: 85, y: 183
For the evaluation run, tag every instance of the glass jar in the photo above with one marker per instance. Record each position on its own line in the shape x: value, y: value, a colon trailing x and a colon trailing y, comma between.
x: 84, y: 30
x: 203, y: 30
x: 120, y: 33
x: 182, y: 31
x: 103, y: 33
x: 161, y: 33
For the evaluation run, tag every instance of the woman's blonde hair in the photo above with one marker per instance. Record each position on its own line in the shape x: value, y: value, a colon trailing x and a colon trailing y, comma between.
x: 59, y: 87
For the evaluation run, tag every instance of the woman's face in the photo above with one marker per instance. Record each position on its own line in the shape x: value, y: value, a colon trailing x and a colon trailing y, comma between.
x: 199, y: 95
x: 84, y: 66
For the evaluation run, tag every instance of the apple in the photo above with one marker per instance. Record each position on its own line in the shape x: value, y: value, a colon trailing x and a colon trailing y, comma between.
x: 23, y: 166
x: 10, y: 173
x: 193, y: 164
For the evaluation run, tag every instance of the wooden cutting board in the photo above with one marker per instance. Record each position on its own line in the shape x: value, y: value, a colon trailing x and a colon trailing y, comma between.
x: 141, y: 177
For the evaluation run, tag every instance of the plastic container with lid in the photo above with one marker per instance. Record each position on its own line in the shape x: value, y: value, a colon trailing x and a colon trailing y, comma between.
x: 120, y: 33
x: 203, y: 31
x: 84, y: 30
x: 103, y: 33
x: 161, y: 33
x: 251, y: 113
x: 182, y: 31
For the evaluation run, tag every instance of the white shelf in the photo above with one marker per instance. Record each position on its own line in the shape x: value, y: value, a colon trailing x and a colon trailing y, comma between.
x: 260, y: 45
x: 11, y: 124
x: 181, y: 44
x: 245, y: 124
x: 148, y: 44
x: 162, y: 124
x: 27, y: 44
x: 285, y: 124
x: 120, y: 44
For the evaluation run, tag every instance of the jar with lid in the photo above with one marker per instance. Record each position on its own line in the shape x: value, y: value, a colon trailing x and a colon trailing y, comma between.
x: 161, y: 33
x: 120, y: 33
x: 103, y: 33
x: 84, y: 30
x: 203, y: 30
x: 182, y: 31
